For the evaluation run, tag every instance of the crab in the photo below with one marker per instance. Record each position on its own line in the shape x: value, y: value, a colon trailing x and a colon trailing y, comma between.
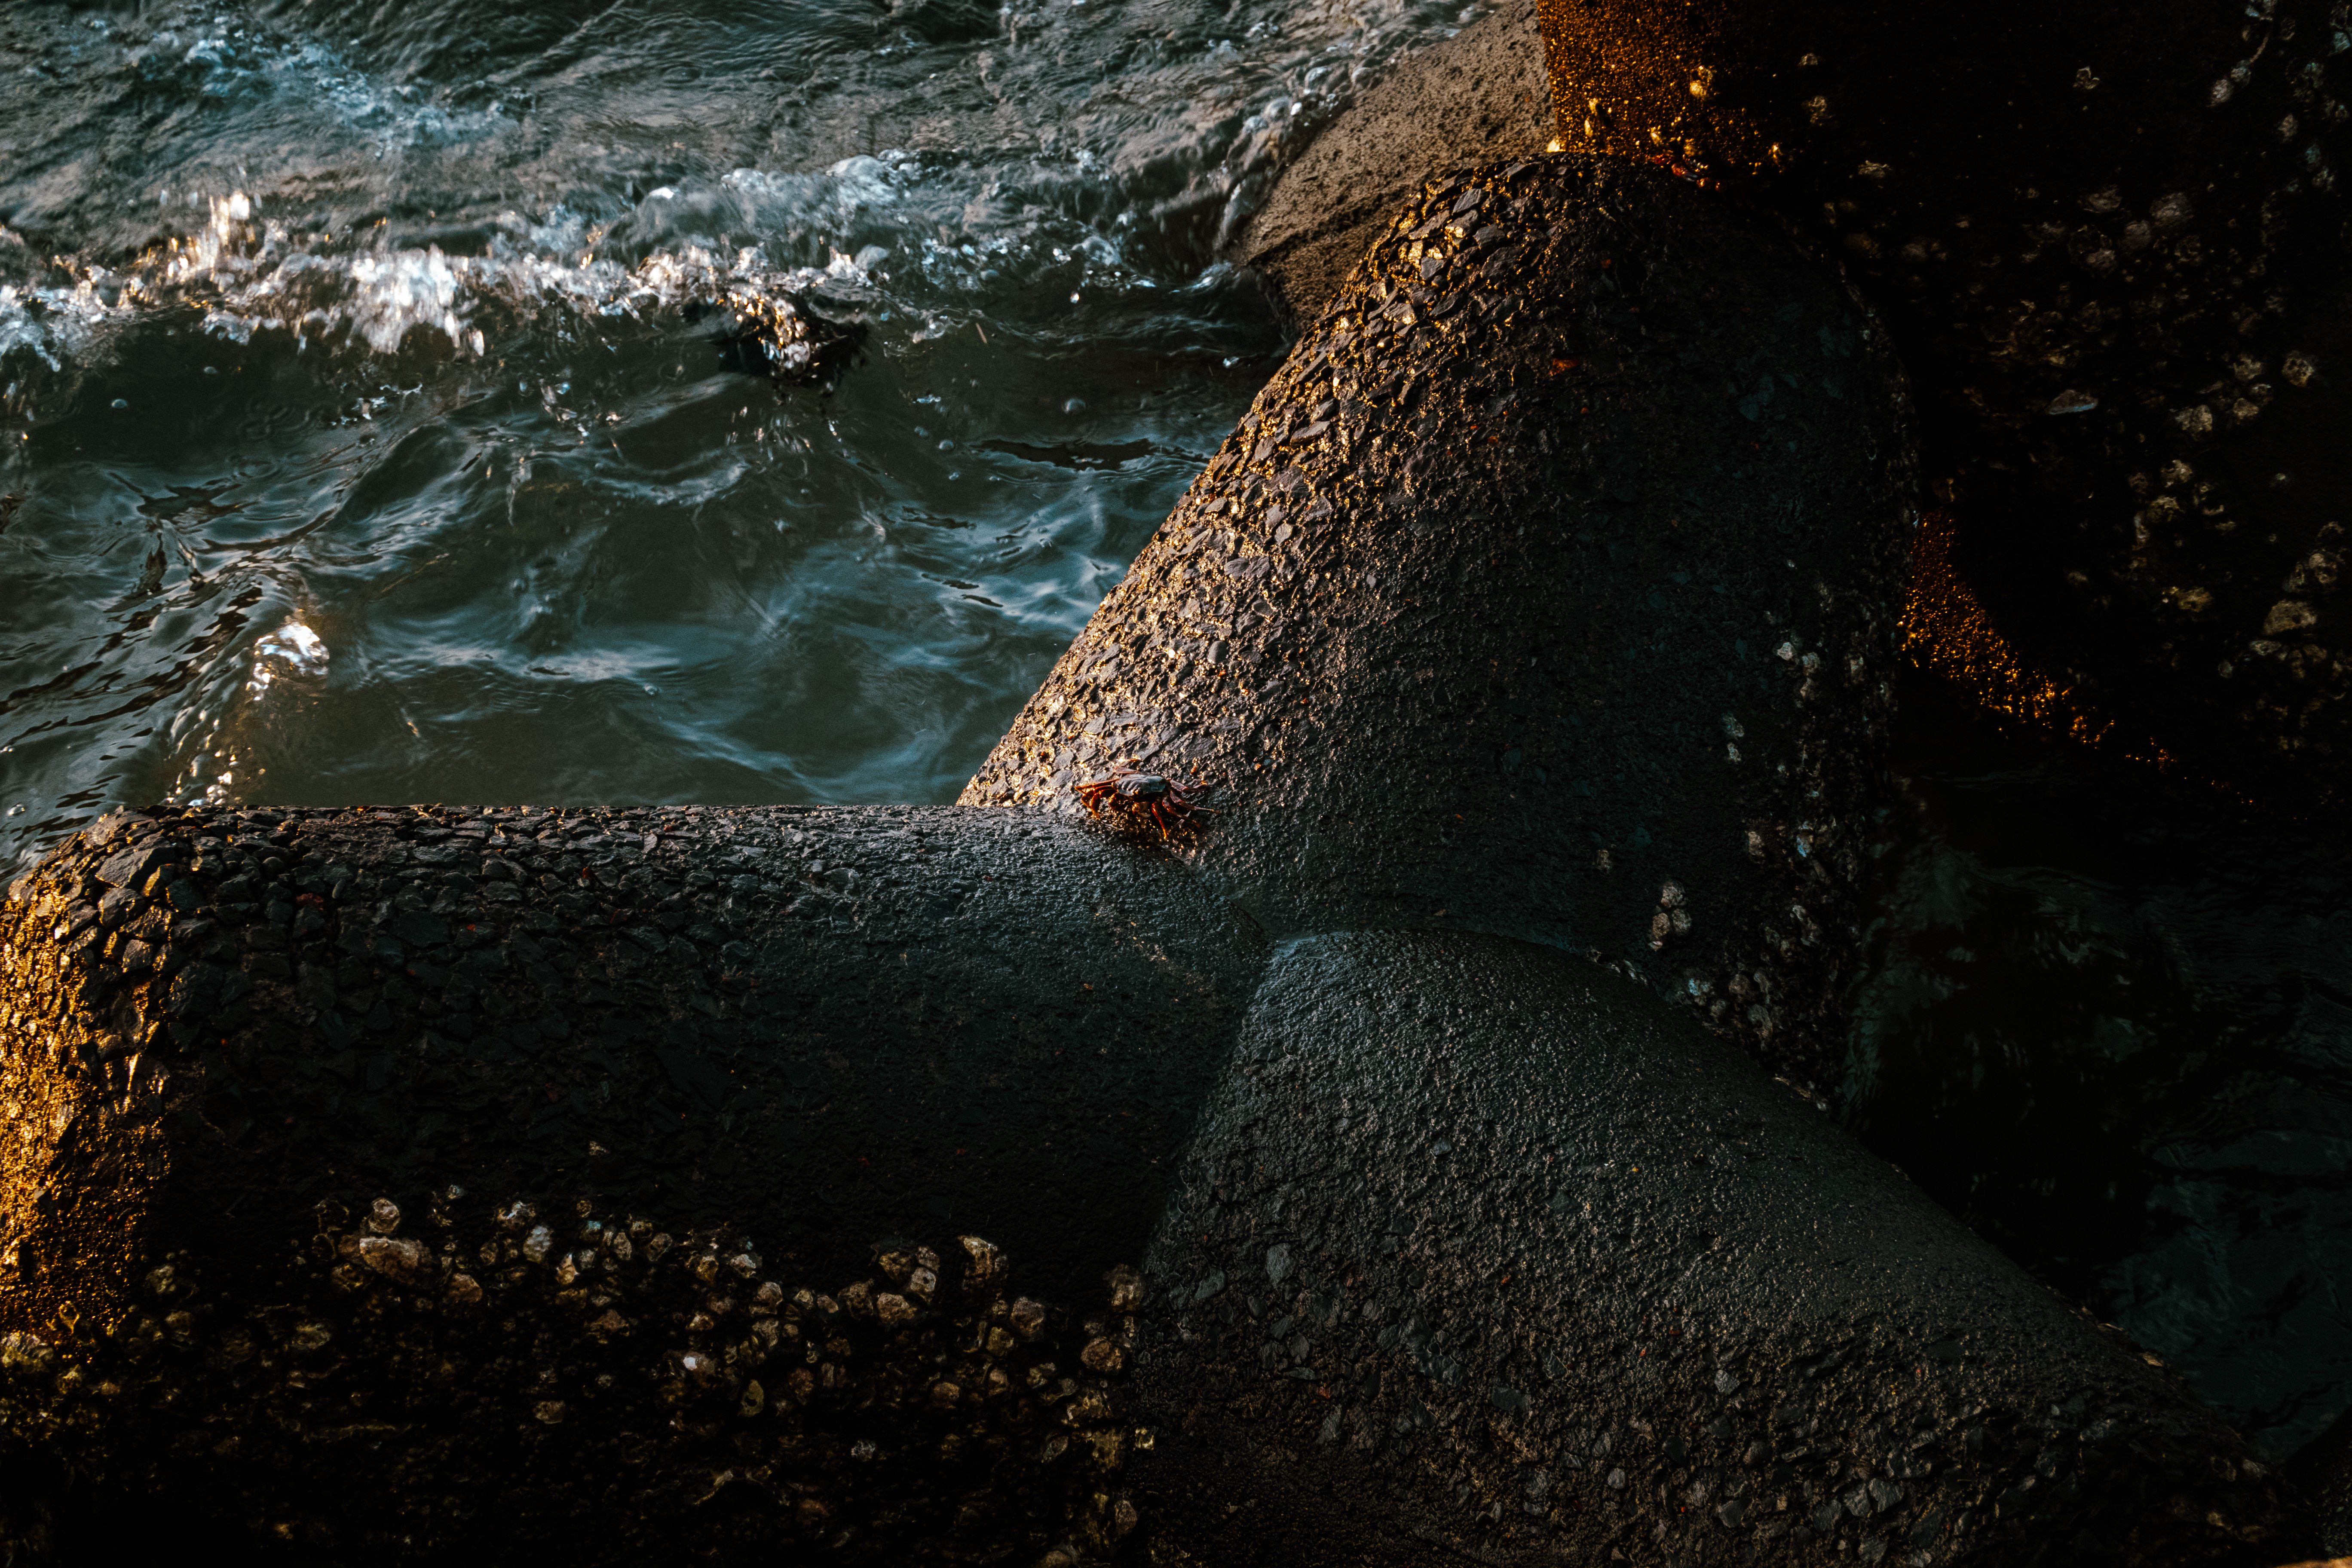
x: 1166, y: 803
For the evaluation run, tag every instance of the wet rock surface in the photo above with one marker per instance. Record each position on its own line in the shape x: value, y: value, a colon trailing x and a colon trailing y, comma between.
x: 2108, y: 240
x: 1546, y: 591
x: 1483, y: 1250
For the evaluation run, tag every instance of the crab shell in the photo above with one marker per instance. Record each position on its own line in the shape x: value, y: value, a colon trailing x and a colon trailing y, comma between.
x: 1140, y: 787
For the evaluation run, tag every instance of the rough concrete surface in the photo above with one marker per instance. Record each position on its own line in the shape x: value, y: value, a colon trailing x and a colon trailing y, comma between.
x: 778, y: 1045
x: 1548, y: 590
x: 1481, y: 96
x: 2109, y: 241
x: 481, y: 1185
x: 1481, y: 1248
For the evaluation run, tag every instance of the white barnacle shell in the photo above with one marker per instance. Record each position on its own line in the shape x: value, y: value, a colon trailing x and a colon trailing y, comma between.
x: 26, y: 1353
x: 986, y: 1265
x: 1126, y: 1284
x: 401, y: 1261
x: 535, y: 1245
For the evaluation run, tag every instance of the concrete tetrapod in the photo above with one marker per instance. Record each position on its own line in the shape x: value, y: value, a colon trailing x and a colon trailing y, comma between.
x: 2107, y: 241
x: 485, y: 1185
x: 1500, y: 614
x: 387, y: 1185
x: 1481, y: 1247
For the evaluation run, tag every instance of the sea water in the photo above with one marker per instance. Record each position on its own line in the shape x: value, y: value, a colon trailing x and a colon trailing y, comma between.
x: 363, y: 440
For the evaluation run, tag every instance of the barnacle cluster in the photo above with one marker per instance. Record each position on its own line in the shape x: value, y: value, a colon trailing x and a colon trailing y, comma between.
x: 509, y: 1349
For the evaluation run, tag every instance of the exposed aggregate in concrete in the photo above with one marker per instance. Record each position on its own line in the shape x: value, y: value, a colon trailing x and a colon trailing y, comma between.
x: 231, y: 1034
x: 2109, y: 241
x: 1479, y: 1249
x: 1545, y: 591
x: 343, y: 1143
x: 1482, y: 97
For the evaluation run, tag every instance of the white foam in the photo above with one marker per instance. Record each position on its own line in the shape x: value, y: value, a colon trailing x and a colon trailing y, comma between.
x: 963, y: 224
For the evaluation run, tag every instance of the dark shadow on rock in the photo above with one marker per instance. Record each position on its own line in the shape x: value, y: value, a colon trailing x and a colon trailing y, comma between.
x: 2108, y: 239
x: 1482, y: 1249
x: 2323, y: 1469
